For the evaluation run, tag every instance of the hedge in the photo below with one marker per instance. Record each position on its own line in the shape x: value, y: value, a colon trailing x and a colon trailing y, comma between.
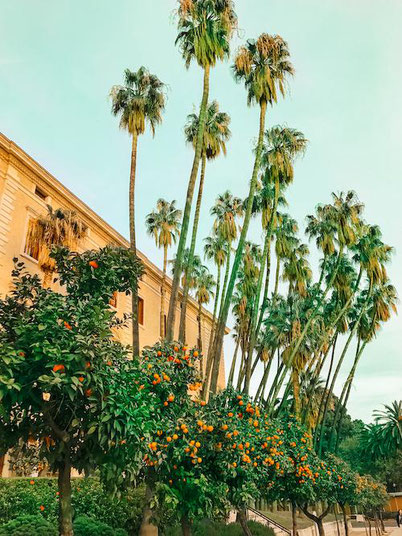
x: 39, y: 496
x: 215, y: 528
x: 37, y: 525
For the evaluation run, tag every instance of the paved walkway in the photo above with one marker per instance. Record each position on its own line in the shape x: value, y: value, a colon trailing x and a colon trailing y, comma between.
x: 394, y: 531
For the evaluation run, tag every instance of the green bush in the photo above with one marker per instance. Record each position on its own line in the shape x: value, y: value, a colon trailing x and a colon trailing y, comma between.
x: 19, y: 497
x: 28, y: 525
x: 85, y: 526
x: 215, y: 528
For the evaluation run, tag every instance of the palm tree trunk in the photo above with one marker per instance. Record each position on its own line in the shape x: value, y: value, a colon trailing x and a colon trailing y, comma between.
x: 324, y: 392
x: 331, y: 389
x: 343, y: 400
x: 266, y: 288
x: 64, y: 487
x: 217, y: 294
x: 254, y: 315
x: 296, y: 392
x: 264, y: 379
x: 47, y: 279
x: 183, y: 313
x: 133, y: 247
x: 278, y: 267
x: 211, y: 357
x: 199, y: 327
x: 308, y: 324
x: 220, y: 330
x: 233, y: 365
x: 163, y: 292
x: 187, y: 208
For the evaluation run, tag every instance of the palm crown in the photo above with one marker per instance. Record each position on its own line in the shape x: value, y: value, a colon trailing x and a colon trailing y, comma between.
x: 216, y: 131
x: 141, y: 99
x: 263, y: 64
x: 205, y: 29
x: 164, y: 223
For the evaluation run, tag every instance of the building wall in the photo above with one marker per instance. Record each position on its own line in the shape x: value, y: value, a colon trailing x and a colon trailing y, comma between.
x: 23, y: 184
x: 25, y: 190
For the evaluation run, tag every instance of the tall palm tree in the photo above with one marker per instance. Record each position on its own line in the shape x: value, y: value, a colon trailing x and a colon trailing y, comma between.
x: 216, y: 134
x: 204, y: 285
x: 215, y: 249
x: 205, y: 29
x: 139, y: 101
x: 56, y: 228
x: 345, y: 213
x: 282, y: 145
x: 164, y: 224
x: 263, y: 66
x: 286, y: 241
x: 226, y: 210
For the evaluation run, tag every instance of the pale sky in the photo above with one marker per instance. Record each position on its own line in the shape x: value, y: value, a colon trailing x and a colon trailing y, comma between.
x: 58, y: 61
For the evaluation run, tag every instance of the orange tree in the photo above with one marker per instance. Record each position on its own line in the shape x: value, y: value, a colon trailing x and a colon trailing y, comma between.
x: 372, y: 497
x: 307, y: 480
x: 64, y: 380
x: 345, y: 485
x: 246, y: 451
x: 179, y: 482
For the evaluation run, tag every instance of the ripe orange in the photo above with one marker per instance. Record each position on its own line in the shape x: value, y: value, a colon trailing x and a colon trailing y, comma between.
x: 93, y: 264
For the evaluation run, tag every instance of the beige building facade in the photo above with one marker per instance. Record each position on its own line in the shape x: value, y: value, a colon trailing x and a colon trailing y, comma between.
x: 26, y: 188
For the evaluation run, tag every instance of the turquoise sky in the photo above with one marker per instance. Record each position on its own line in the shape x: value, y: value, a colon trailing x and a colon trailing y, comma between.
x: 58, y: 61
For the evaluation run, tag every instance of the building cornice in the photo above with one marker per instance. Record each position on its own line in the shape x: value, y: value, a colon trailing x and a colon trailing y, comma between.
x: 18, y: 158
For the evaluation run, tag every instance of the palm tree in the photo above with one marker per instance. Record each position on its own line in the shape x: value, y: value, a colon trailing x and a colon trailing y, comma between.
x: 344, y: 213
x: 390, y: 422
x: 164, y: 224
x: 263, y: 65
x: 57, y: 228
x: 204, y: 285
x: 226, y: 210
x: 205, y: 29
x: 216, y: 134
x: 215, y: 249
x: 139, y: 101
x: 285, y: 242
x: 282, y: 145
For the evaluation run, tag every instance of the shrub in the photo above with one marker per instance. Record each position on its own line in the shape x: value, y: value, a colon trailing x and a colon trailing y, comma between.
x: 215, y: 528
x: 18, y: 496
x: 85, y: 526
x: 28, y: 525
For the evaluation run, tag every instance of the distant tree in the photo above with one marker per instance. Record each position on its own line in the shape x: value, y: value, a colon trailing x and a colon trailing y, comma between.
x: 57, y: 228
x: 164, y: 225
x: 139, y: 101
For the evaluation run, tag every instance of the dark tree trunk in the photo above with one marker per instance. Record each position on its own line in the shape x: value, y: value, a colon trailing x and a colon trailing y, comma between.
x: 65, y: 508
x: 320, y: 527
x: 185, y: 527
x: 147, y: 528
x: 294, y: 520
x: 345, y: 519
x: 242, y: 519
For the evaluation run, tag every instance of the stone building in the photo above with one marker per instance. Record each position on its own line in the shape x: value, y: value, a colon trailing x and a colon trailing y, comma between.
x: 26, y: 188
